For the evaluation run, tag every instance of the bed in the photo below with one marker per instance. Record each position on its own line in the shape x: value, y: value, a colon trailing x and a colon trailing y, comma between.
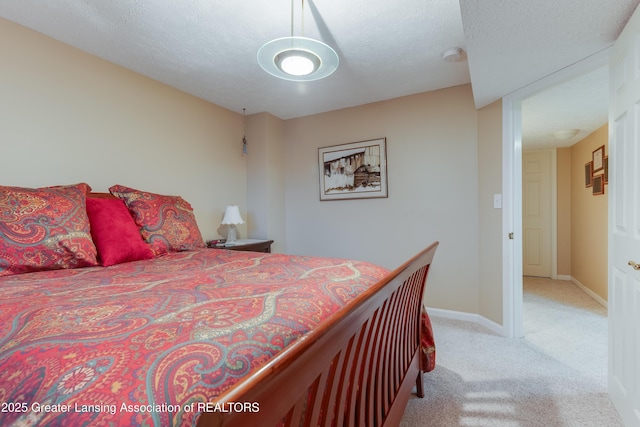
x: 205, y: 337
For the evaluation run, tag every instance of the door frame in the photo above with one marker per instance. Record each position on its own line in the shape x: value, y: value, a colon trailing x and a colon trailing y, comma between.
x: 512, y: 322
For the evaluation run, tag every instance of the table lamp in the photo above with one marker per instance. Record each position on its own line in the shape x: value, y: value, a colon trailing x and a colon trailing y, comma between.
x: 231, y: 218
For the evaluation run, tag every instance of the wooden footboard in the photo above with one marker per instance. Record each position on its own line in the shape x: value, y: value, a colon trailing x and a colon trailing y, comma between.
x: 358, y: 369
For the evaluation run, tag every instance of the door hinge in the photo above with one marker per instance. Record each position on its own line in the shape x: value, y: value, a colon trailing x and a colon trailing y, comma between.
x: 511, y: 235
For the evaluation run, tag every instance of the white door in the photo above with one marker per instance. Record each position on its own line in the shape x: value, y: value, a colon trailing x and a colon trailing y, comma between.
x: 624, y: 223
x: 536, y: 213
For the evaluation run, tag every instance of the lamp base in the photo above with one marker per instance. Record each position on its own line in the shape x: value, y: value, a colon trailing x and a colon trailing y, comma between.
x: 231, y: 235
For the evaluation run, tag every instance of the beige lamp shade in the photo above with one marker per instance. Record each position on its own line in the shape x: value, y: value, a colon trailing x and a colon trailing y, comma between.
x: 232, y: 216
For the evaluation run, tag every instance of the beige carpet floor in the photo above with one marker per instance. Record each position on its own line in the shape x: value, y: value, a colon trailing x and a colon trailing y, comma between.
x: 567, y: 324
x: 556, y: 376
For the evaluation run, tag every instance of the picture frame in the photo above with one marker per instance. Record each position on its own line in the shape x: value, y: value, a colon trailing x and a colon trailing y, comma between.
x: 606, y: 169
x: 588, y: 174
x: 357, y: 170
x: 598, y: 159
x: 598, y: 185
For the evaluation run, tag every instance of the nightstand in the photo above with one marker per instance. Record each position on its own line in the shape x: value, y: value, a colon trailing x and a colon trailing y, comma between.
x: 253, y: 245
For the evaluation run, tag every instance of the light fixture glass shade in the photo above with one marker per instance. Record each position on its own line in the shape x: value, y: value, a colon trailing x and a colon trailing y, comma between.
x: 565, y: 134
x: 232, y: 216
x: 298, y: 59
x: 297, y: 62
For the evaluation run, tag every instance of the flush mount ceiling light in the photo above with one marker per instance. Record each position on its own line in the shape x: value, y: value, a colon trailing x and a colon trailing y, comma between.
x: 298, y: 58
x: 565, y: 134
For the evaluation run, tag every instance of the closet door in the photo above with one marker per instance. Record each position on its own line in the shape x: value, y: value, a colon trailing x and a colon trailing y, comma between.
x: 536, y: 213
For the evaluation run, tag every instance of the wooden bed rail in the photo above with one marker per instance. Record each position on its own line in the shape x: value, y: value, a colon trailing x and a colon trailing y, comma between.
x: 357, y: 369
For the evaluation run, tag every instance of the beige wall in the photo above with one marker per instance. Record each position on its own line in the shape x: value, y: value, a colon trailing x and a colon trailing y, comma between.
x: 266, y: 179
x: 433, y: 190
x: 588, y: 219
x: 564, y: 211
x: 490, y: 226
x: 66, y: 116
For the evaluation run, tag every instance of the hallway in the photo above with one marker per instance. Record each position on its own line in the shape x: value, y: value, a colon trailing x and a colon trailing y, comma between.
x: 567, y: 324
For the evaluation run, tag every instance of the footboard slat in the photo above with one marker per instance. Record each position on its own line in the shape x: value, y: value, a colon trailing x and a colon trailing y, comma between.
x: 354, y: 376
x: 403, y: 354
x: 330, y: 403
x: 366, y: 415
x: 383, y: 360
x: 315, y: 398
x: 396, y: 349
x: 385, y: 374
x: 357, y: 369
x: 373, y: 394
x: 400, y: 351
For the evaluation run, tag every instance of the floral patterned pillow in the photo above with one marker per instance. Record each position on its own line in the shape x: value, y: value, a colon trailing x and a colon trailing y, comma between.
x: 44, y: 229
x: 167, y: 223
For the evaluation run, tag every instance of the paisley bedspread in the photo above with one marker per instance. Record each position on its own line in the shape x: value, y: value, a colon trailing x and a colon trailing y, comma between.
x: 147, y: 343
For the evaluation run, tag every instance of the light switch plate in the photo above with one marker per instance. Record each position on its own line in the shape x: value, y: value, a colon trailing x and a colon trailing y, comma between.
x: 497, y: 201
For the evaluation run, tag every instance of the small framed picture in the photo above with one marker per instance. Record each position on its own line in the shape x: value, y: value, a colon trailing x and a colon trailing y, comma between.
x: 588, y: 174
x: 598, y: 185
x: 357, y: 170
x: 598, y: 159
x: 606, y: 169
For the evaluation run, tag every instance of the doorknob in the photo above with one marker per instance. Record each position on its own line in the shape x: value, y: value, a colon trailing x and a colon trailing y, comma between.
x: 634, y: 265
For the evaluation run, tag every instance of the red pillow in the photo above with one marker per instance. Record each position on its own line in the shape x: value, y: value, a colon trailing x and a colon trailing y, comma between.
x: 44, y: 229
x: 167, y: 223
x: 114, y: 233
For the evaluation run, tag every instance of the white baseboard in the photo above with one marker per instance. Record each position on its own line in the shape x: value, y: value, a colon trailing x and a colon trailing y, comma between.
x: 589, y: 292
x: 493, y: 326
x: 467, y: 317
x: 563, y: 277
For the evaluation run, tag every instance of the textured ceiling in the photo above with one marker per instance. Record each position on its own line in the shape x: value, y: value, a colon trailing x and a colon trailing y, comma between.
x: 208, y: 48
x: 580, y: 103
x: 387, y: 49
x: 512, y: 43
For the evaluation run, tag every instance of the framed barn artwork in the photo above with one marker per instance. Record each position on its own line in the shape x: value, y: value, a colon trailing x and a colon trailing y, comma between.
x: 357, y: 170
